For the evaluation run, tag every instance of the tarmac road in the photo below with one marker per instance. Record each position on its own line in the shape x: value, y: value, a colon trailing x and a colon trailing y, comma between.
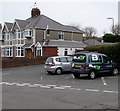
x: 31, y: 87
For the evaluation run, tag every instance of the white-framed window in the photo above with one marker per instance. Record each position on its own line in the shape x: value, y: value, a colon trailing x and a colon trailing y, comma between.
x: 19, y: 52
x: 38, y: 50
x: 66, y: 52
x: 3, y: 52
x: 28, y: 33
x: 8, y: 52
x: 7, y: 36
x: 61, y: 35
x: 19, y: 34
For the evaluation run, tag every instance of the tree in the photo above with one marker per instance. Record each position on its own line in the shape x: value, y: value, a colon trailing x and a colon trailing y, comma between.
x: 116, y: 29
x: 89, y: 32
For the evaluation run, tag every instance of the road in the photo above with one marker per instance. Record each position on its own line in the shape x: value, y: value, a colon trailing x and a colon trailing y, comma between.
x: 31, y: 87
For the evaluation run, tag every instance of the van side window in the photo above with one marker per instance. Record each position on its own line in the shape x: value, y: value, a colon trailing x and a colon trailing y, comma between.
x: 94, y: 58
x: 63, y: 59
x: 105, y: 59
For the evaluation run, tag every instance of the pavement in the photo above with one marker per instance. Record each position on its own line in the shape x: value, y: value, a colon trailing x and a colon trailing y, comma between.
x: 31, y: 87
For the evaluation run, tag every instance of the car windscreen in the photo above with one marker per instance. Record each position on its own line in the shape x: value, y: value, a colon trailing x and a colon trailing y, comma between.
x: 79, y: 58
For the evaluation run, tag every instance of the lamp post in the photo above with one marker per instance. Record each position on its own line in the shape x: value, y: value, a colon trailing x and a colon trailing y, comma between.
x: 113, y: 23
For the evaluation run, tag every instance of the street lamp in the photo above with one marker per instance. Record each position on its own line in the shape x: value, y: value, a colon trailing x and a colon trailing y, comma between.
x: 113, y: 23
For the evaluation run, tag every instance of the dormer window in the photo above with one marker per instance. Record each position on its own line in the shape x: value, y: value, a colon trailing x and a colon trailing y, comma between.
x: 61, y: 35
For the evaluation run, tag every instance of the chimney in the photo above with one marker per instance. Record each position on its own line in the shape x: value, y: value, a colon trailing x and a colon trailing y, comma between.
x: 35, y: 12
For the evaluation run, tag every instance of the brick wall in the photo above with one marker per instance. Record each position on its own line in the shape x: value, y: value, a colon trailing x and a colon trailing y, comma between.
x: 50, y: 51
x: 16, y: 62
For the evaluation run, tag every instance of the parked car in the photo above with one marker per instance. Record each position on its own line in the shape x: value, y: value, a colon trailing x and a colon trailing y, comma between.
x: 58, y: 64
x: 93, y: 64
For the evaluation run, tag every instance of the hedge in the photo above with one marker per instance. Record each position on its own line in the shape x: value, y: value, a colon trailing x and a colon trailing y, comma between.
x: 112, y: 51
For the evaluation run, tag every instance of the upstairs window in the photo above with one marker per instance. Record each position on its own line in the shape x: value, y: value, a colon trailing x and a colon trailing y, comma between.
x: 7, y: 36
x: 61, y: 35
x: 19, y: 34
x: 28, y: 33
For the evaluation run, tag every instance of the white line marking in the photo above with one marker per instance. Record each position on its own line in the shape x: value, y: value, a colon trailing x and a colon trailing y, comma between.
x: 59, y: 87
x: 104, y: 83
x: 75, y: 89
x: 94, y: 90
x: 66, y: 86
x: 110, y: 91
x: 45, y: 86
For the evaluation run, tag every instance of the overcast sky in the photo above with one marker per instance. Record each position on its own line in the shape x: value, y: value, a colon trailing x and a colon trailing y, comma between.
x: 79, y: 12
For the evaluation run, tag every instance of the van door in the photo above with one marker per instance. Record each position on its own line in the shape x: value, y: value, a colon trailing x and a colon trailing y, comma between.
x: 107, y: 66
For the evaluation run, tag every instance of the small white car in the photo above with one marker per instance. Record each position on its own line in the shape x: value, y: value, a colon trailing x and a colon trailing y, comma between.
x: 58, y: 64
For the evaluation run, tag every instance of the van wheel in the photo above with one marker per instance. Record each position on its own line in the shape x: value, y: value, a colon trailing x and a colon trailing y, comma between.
x: 92, y: 75
x: 76, y: 75
x: 115, y: 71
x: 58, y: 71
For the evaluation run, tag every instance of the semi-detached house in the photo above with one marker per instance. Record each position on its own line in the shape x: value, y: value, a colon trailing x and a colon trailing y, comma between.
x: 39, y: 35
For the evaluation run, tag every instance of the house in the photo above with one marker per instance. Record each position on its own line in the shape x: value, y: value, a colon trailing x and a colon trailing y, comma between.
x: 40, y: 35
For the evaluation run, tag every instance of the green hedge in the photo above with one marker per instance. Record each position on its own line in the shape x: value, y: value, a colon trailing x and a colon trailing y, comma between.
x: 113, y: 51
x: 111, y: 38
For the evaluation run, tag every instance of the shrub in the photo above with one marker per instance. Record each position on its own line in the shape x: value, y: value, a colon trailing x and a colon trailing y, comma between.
x: 112, y: 51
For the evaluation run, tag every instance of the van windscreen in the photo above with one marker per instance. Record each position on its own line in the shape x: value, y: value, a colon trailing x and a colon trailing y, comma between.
x: 79, y: 58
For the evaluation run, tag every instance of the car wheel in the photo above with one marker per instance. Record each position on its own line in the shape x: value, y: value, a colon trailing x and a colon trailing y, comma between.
x: 115, y: 71
x: 58, y: 71
x: 92, y: 75
x: 76, y: 75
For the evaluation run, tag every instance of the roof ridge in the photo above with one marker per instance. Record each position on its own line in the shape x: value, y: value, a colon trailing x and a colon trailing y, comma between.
x: 33, y: 21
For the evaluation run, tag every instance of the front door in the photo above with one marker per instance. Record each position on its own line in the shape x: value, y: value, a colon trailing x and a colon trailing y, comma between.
x: 29, y: 53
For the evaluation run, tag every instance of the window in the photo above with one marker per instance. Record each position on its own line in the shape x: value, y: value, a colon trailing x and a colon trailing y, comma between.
x: 48, y: 32
x: 9, y: 52
x: 61, y: 35
x: 49, y: 60
x: 69, y: 59
x: 19, y: 52
x: 66, y: 51
x: 79, y: 58
x: 94, y: 58
x: 7, y: 36
x: 3, y: 52
x: 28, y: 33
x: 19, y: 34
x: 63, y: 59
x: 105, y: 59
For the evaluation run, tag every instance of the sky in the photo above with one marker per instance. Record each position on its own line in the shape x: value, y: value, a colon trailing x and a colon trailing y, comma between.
x: 85, y: 13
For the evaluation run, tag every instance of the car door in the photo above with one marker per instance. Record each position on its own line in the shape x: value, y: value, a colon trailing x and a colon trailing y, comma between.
x: 64, y: 63
x: 107, y: 66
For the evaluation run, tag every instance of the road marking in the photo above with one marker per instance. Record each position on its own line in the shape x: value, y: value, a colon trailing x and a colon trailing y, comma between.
x: 110, y: 91
x: 59, y: 87
x: 55, y: 87
x: 93, y: 90
x: 75, y: 89
x: 104, y: 83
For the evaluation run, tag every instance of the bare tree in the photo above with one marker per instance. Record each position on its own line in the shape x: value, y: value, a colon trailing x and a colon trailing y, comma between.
x: 76, y: 25
x: 116, y: 29
x: 89, y: 32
